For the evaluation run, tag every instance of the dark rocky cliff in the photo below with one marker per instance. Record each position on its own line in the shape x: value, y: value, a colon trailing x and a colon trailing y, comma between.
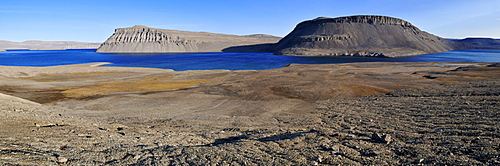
x: 142, y: 39
x: 361, y: 36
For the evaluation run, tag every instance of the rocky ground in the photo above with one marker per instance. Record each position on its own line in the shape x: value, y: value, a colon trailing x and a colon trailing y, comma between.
x: 344, y: 114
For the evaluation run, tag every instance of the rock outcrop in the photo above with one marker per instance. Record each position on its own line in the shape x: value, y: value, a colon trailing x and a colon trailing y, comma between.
x: 46, y: 45
x: 362, y: 35
x: 142, y: 39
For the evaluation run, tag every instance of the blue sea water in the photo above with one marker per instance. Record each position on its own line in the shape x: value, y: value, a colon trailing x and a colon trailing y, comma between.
x: 217, y: 60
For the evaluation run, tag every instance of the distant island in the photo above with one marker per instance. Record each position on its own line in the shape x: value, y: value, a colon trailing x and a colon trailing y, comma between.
x: 46, y: 45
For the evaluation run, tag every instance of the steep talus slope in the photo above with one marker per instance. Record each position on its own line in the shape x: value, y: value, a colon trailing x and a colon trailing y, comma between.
x: 361, y: 36
x: 150, y: 40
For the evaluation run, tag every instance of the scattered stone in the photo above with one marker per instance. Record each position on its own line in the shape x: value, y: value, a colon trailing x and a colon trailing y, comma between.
x: 438, y: 130
x: 429, y: 77
x: 63, y: 147
x: 320, y: 159
x: 382, y: 138
x: 335, y: 148
x: 378, y: 152
x: 419, y: 161
x: 338, y: 153
x: 62, y: 159
x: 231, y: 129
x: 83, y: 135
x: 47, y: 124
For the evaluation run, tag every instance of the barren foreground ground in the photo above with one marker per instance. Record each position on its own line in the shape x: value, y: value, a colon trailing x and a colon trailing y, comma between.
x: 343, y: 114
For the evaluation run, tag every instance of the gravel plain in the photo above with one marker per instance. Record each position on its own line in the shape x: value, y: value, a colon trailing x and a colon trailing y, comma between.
x: 343, y: 114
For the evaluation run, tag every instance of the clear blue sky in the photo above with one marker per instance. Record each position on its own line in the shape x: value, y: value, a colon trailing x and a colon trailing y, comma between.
x: 95, y: 20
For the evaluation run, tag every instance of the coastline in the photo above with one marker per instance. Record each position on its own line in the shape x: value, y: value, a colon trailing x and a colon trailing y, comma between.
x: 31, y: 71
x: 209, y: 61
x: 101, y: 67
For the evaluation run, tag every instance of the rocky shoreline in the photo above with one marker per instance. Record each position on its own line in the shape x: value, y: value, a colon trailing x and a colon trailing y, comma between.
x: 339, y: 114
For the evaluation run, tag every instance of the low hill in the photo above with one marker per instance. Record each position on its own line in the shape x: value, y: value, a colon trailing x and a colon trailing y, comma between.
x: 482, y: 43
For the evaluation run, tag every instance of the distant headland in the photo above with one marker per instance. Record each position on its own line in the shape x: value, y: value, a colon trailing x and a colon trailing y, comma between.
x: 482, y: 43
x: 46, y: 45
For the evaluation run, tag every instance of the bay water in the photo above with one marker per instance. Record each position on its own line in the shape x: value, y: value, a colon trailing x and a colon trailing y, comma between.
x: 217, y: 60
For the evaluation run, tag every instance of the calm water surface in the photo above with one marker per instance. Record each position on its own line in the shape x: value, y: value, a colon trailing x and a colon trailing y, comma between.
x: 206, y: 61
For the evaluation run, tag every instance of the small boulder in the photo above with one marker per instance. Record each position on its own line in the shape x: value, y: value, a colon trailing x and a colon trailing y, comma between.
x: 62, y: 159
x: 387, y: 139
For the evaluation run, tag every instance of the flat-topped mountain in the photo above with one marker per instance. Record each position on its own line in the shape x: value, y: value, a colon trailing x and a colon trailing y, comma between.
x: 142, y: 39
x: 46, y: 45
x: 361, y: 35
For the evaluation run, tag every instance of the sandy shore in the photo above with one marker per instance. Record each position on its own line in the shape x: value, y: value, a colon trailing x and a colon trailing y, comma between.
x: 423, y: 113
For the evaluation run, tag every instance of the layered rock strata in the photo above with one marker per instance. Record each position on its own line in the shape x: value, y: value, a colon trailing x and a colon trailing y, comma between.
x: 142, y: 39
x: 362, y: 35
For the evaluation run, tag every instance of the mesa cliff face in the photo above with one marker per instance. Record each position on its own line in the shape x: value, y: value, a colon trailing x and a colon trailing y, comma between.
x: 361, y: 36
x: 142, y: 39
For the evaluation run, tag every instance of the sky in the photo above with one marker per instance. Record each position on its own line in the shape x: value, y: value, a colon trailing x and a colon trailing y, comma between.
x: 95, y: 20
